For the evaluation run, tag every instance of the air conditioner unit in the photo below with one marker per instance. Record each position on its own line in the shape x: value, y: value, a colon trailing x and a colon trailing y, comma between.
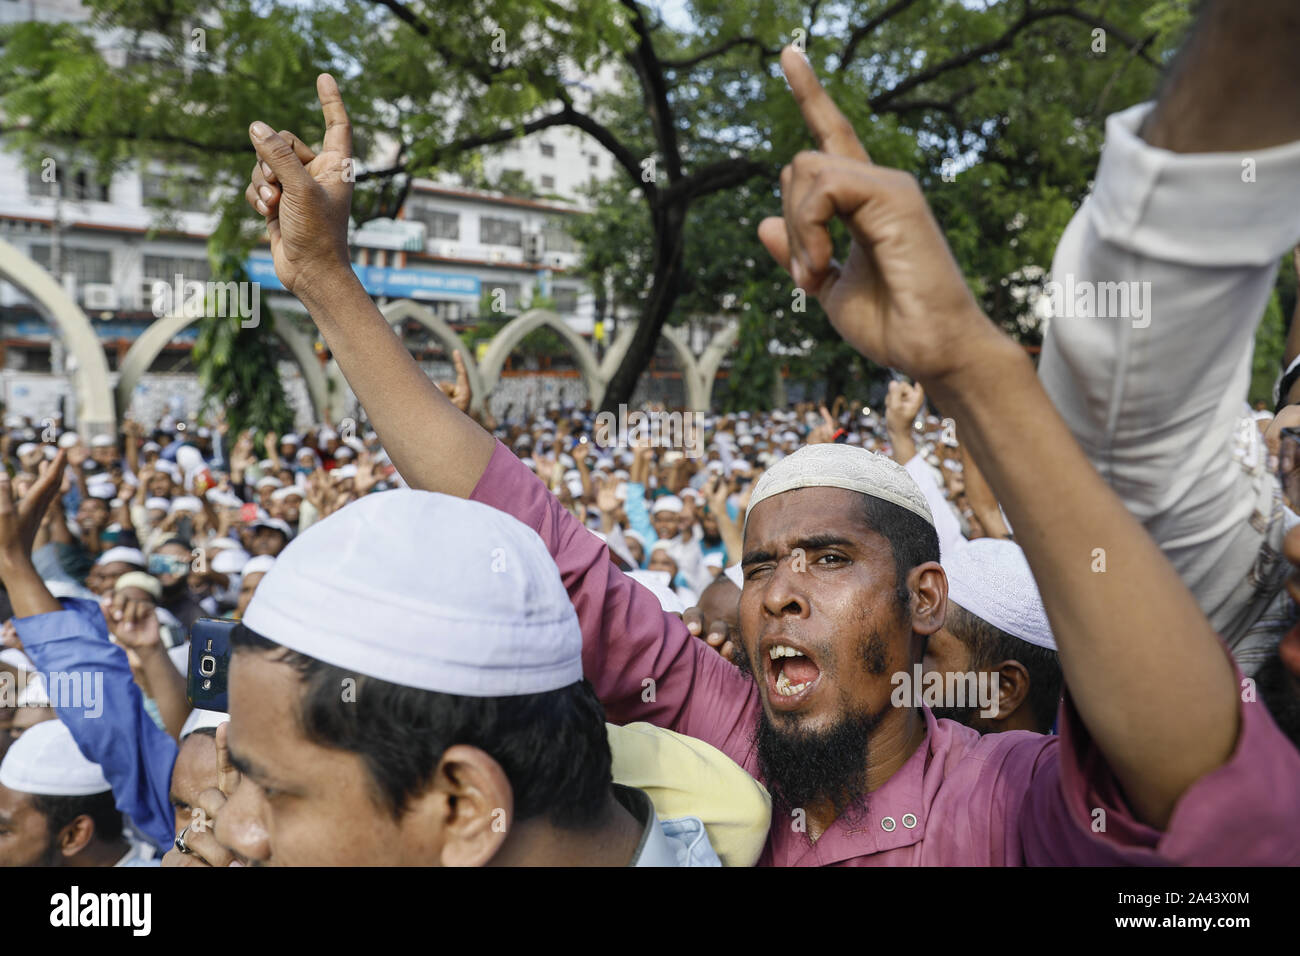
x: 449, y: 249
x: 497, y: 256
x: 533, y: 246
x: 98, y: 295
x: 555, y: 259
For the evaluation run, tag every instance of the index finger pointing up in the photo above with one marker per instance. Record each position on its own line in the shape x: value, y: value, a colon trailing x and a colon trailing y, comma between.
x: 338, y: 129
x: 227, y: 774
x: 829, y: 126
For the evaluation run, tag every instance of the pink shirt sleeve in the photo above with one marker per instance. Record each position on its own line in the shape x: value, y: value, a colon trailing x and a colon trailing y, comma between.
x: 642, y: 662
x: 1243, y: 814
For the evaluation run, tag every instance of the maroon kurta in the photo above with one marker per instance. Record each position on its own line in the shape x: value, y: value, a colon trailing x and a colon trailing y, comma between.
x: 961, y: 799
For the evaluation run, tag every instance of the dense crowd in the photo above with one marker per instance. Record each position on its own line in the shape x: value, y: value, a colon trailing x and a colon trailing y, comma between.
x: 1015, y: 616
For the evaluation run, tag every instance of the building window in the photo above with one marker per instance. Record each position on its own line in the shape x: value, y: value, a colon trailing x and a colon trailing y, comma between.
x: 85, y: 265
x: 79, y: 184
x: 510, y: 296
x: 174, y: 191
x: 440, y: 225
x: 167, y: 268
x: 548, y: 150
x: 566, y: 300
x: 591, y: 160
x: 556, y: 238
x: 548, y: 182
x: 500, y: 232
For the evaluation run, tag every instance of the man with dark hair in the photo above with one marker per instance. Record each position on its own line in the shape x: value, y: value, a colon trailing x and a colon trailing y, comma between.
x: 374, y: 721
x: 56, y: 807
x: 832, y: 603
x: 996, y: 636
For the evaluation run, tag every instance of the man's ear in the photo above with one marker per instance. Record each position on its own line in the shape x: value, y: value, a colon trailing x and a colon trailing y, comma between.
x: 76, y: 836
x: 474, y: 803
x: 928, y: 585
x: 1013, y: 688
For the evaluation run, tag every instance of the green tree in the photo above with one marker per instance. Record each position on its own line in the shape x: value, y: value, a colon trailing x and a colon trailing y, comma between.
x: 1011, y: 93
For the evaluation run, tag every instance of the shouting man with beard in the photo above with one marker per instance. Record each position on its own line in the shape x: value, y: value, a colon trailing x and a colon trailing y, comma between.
x: 843, y: 585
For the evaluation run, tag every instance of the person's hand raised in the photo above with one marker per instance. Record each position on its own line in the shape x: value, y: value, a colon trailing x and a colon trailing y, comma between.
x: 902, y: 404
x: 458, y: 391
x: 899, y: 297
x: 19, y: 521
x: 305, y: 196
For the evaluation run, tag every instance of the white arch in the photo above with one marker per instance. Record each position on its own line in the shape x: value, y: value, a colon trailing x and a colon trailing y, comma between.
x: 403, y: 309
x: 151, y: 342
x: 400, y: 311
x: 504, y: 342
x: 697, y: 374
x: 91, y: 391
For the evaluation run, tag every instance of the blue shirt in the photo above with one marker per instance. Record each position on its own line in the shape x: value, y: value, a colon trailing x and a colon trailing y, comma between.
x: 119, y: 735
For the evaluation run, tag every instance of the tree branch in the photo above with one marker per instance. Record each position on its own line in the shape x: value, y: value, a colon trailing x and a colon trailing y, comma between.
x: 648, y: 68
x: 712, y: 178
x: 697, y: 59
x: 862, y: 32
x: 1027, y: 19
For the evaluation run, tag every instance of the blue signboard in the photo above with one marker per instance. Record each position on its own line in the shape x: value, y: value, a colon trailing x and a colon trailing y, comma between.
x: 382, y: 280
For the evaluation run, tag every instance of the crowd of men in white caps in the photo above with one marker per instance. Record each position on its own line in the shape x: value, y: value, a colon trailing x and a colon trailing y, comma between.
x: 822, y: 636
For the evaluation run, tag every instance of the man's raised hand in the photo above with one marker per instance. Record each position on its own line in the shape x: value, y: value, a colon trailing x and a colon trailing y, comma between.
x: 899, y: 297
x: 305, y: 196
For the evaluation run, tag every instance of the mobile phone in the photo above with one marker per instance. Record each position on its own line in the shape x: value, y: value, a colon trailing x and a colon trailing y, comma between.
x: 209, y: 663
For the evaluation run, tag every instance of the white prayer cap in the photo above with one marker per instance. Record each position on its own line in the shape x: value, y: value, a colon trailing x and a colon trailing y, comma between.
x: 667, y: 503
x: 149, y: 446
x: 268, y: 482
x: 275, y: 524
x: 139, y: 579
x: 230, y: 561
x: 343, y: 453
x: 168, y: 468
x: 991, y: 579
x: 16, y: 659
x: 259, y: 565
x: 218, y: 543
x: 281, y: 493
x: 327, y: 434
x: 631, y: 535
x: 189, y: 458
x: 27, y: 447
x: 102, y: 441
x: 187, y: 503
x: 479, y: 612
x: 102, y: 490
x: 200, y: 719
x: 46, y: 760
x: 657, y: 583
x: 343, y: 472
x: 126, y: 555
x: 68, y: 439
x: 828, y: 465
x: 290, y: 439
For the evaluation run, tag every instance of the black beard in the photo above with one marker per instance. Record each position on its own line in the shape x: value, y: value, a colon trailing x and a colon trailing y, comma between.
x: 802, y: 768
x: 1277, y: 693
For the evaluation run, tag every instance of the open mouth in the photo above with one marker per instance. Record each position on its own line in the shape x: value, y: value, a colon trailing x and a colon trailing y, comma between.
x: 791, y: 675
